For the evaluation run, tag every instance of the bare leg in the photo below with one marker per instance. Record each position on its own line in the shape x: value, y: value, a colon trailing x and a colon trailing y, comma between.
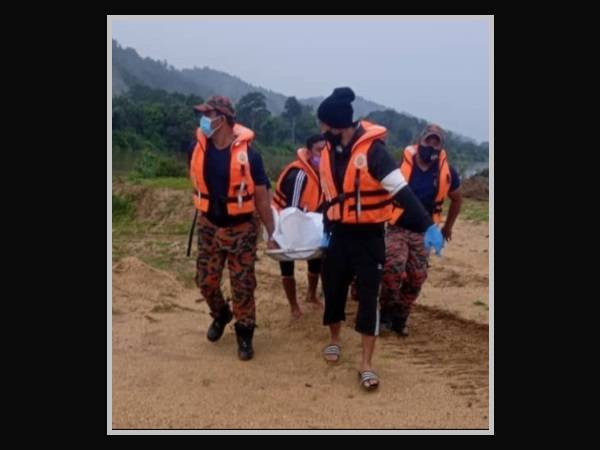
x: 334, y: 329
x: 368, y: 348
x: 311, y: 295
x: 289, y: 286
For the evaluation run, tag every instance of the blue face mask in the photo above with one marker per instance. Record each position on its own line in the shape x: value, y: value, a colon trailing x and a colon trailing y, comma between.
x: 206, y: 126
x: 315, y: 160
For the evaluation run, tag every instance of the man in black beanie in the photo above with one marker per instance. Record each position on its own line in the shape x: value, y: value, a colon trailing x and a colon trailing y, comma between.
x: 360, y: 181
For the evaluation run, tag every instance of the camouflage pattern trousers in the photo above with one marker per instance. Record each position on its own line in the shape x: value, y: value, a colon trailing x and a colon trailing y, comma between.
x: 404, y: 272
x: 236, y: 245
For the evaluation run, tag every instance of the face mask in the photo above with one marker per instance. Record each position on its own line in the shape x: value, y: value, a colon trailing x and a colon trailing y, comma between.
x: 333, y: 139
x: 206, y: 126
x: 428, y: 153
x: 315, y: 160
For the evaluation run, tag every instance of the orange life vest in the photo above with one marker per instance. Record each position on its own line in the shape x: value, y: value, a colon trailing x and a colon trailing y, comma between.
x: 363, y: 199
x: 240, y: 193
x: 311, y: 195
x: 443, y: 181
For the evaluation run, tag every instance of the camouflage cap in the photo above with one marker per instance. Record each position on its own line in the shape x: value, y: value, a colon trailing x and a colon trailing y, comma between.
x: 433, y: 130
x: 217, y: 103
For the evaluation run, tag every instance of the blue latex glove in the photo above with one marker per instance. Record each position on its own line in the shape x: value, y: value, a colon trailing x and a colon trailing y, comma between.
x: 434, y: 238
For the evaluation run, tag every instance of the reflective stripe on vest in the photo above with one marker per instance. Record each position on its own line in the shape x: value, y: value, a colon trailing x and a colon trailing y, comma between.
x: 311, y: 195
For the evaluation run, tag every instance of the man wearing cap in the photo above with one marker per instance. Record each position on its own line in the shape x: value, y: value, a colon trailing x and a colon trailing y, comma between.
x: 431, y: 177
x: 230, y: 185
x: 360, y: 181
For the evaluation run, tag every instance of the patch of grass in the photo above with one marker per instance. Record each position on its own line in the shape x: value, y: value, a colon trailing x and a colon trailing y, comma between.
x: 480, y: 303
x: 176, y: 228
x: 133, y: 228
x: 159, y: 261
x: 180, y: 183
x: 153, y: 164
x: 118, y: 252
x: 474, y: 210
x: 128, y: 228
x: 187, y: 278
x: 160, y: 244
x: 123, y: 209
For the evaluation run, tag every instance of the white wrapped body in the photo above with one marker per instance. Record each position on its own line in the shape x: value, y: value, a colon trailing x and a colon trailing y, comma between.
x: 297, y: 233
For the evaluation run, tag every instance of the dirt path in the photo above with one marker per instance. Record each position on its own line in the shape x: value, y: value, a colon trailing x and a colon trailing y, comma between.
x: 167, y: 375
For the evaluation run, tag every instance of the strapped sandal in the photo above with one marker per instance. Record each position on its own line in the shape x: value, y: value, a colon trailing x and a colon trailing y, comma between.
x: 332, y: 349
x: 366, y: 377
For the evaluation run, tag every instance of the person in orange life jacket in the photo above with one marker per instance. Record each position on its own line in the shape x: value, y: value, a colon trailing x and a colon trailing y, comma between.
x: 425, y: 165
x: 298, y: 186
x: 359, y: 180
x: 230, y: 184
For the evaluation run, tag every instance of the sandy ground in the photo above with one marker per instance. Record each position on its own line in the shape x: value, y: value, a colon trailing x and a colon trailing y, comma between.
x: 458, y: 282
x: 165, y: 373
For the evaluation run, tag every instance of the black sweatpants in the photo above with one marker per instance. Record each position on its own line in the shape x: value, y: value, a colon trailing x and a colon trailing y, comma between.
x: 354, y: 253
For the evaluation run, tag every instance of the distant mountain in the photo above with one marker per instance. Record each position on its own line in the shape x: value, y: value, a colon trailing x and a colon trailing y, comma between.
x: 129, y: 67
x: 361, y: 106
x: 233, y: 87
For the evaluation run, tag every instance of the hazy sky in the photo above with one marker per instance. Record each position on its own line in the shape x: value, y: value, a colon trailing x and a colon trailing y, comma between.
x: 436, y: 68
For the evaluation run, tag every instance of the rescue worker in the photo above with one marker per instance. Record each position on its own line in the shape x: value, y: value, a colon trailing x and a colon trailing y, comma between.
x: 360, y: 180
x: 230, y: 184
x: 298, y: 186
x: 429, y: 174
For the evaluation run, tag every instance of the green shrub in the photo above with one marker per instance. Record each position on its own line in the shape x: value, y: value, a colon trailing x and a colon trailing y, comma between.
x: 153, y: 165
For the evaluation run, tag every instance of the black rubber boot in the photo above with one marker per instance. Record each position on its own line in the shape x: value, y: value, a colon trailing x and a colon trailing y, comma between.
x: 244, y: 335
x: 399, y: 325
x: 385, y: 321
x: 215, y: 331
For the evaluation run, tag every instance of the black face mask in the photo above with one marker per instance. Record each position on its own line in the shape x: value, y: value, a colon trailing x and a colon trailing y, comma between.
x: 428, y: 153
x: 333, y: 139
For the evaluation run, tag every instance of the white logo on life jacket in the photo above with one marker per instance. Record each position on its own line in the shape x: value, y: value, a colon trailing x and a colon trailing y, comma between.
x: 360, y: 161
x: 242, y: 157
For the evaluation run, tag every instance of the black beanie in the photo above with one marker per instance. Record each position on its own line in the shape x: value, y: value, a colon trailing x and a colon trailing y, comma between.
x: 336, y: 110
